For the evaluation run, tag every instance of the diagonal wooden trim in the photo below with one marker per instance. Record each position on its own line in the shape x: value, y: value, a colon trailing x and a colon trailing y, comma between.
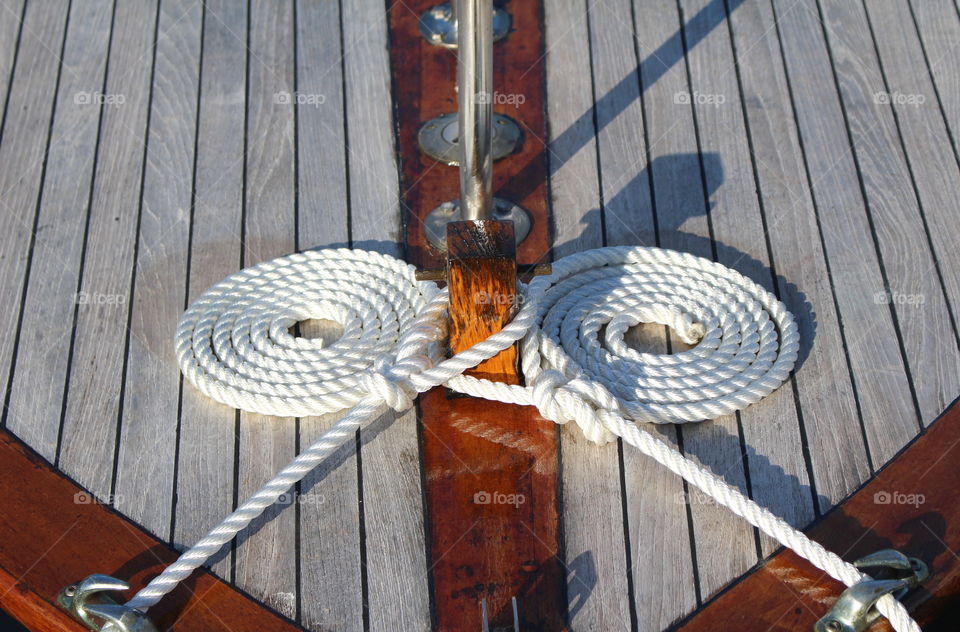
x: 497, y: 550
x: 55, y: 533
x: 910, y: 505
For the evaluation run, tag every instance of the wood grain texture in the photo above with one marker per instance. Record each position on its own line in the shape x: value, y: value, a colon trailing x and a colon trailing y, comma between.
x: 205, y: 466
x: 95, y: 387
x: 145, y: 468
x: 482, y: 549
x: 25, y: 136
x: 913, y: 287
x: 769, y: 432
x: 36, y: 395
x: 595, y: 550
x: 330, y: 547
x: 681, y: 198
x: 788, y: 593
x: 932, y: 163
x: 887, y: 411
x: 937, y: 23
x: 396, y: 564
x: 265, y: 555
x: 49, y: 534
x: 482, y: 282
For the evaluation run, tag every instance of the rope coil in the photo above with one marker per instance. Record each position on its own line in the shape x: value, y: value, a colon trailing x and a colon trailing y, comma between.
x: 234, y: 345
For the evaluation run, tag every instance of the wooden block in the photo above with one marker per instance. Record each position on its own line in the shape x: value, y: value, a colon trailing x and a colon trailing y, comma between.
x: 482, y: 280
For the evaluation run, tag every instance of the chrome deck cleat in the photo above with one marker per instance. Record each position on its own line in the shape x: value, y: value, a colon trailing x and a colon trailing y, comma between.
x: 855, y: 610
x: 87, y: 603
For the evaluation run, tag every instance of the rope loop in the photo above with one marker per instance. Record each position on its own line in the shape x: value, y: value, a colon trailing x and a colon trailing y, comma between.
x: 235, y: 345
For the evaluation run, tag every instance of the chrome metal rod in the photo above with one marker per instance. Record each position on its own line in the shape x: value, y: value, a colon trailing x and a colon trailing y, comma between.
x: 475, y: 88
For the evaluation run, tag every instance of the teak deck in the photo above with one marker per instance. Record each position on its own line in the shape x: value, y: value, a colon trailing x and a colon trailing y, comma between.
x: 149, y: 149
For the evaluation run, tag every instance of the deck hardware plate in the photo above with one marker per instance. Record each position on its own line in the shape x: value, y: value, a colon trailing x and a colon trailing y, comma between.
x: 435, y: 223
x: 854, y: 611
x: 88, y: 603
x: 439, y: 26
x: 438, y: 138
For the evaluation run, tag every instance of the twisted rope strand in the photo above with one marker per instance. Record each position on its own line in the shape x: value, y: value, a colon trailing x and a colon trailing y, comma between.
x: 233, y: 344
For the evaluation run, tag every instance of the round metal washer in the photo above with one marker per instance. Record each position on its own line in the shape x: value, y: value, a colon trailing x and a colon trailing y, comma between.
x: 435, y: 223
x: 439, y: 27
x: 438, y: 138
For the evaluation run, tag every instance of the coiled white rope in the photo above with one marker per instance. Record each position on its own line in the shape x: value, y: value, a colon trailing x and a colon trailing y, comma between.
x: 234, y: 345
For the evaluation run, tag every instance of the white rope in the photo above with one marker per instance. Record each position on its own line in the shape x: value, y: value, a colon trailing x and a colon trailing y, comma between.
x: 234, y: 345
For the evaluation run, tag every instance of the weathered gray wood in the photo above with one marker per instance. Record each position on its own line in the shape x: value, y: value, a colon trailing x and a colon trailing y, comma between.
x: 885, y: 402
x: 913, y: 287
x: 36, y: 395
x: 266, y: 552
x: 822, y: 379
x: 12, y: 14
x: 770, y: 429
x: 396, y: 563
x: 205, y: 468
x: 22, y: 152
x: 145, y: 468
x: 94, y: 392
x: 330, y: 547
x: 933, y: 165
x: 728, y: 546
x: 938, y: 24
x: 592, y: 510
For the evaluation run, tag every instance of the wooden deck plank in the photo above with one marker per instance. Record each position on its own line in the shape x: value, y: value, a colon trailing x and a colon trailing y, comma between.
x: 205, y: 468
x: 330, y: 548
x: 728, y: 545
x: 396, y: 567
x: 822, y: 383
x: 913, y: 286
x: 938, y: 25
x: 95, y: 387
x: 36, y: 395
x: 146, y: 457
x: 25, y: 138
x: 10, y: 33
x: 885, y: 403
x: 921, y: 128
x: 770, y: 430
x: 594, y: 549
x: 265, y: 554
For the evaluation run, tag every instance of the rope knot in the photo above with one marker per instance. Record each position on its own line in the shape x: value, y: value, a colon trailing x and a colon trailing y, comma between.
x: 392, y: 383
x: 557, y: 398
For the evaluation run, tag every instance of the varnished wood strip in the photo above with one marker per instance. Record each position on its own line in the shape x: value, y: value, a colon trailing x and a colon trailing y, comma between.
x: 56, y: 533
x: 910, y: 506
x: 472, y: 450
